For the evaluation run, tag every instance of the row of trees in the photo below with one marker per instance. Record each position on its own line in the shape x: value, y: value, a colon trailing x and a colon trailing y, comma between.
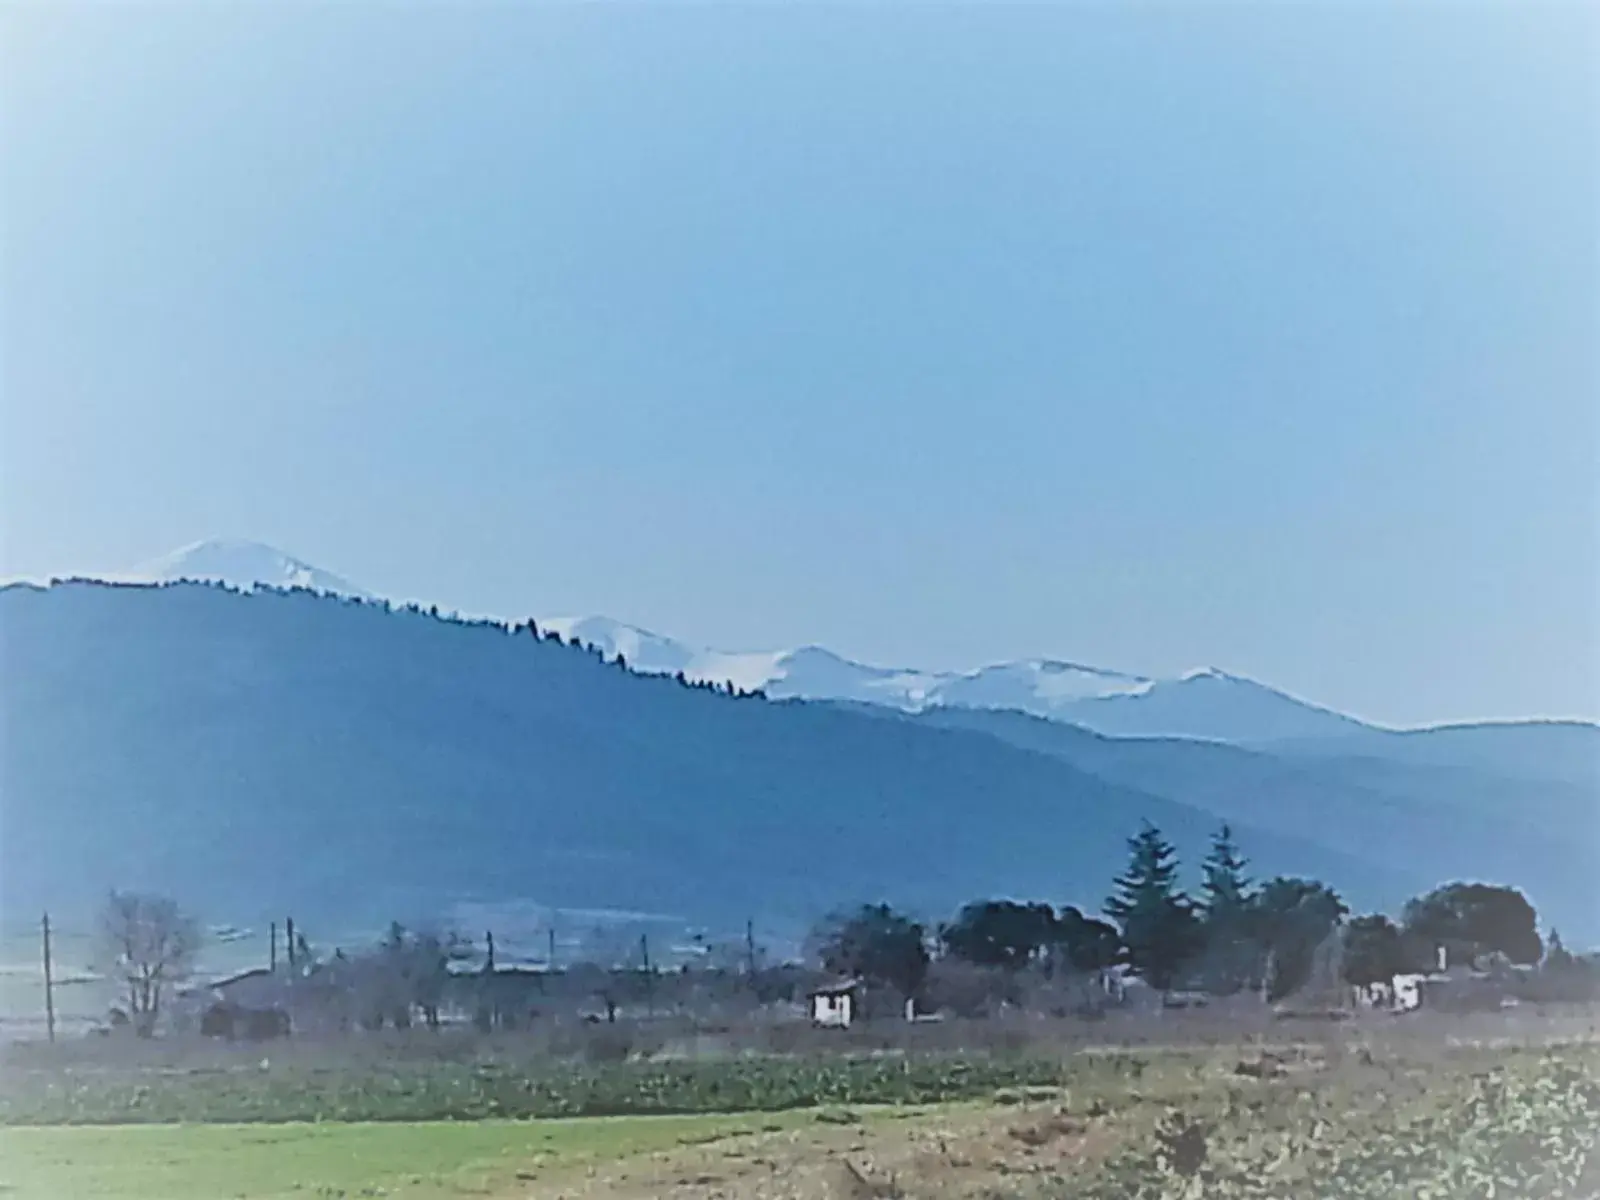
x: 1234, y: 934
x: 433, y: 612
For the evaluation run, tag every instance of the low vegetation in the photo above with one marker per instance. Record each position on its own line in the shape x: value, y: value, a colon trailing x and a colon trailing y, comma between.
x: 1506, y: 1124
x: 468, y: 1091
x: 1346, y: 1118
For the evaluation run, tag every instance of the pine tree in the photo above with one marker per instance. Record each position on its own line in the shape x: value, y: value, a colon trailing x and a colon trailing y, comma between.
x: 1159, y: 925
x: 1151, y: 877
x: 1231, y: 952
x: 1225, y: 891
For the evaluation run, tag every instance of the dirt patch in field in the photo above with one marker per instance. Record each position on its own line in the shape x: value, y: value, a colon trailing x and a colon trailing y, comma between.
x: 939, y: 1155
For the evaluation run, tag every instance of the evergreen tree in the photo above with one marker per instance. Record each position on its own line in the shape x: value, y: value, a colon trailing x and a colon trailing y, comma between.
x: 1159, y: 927
x: 1231, y: 950
x: 1225, y: 891
x: 1151, y: 877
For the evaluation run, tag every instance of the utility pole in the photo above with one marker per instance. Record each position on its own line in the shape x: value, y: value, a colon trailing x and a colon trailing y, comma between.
x: 49, y: 982
x: 649, y: 975
x: 750, y: 947
x: 272, y: 949
x: 550, y: 955
x: 488, y: 937
x: 288, y: 939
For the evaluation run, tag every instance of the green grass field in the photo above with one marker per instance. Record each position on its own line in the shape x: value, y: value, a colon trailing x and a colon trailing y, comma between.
x: 1342, y: 1118
x: 396, y: 1160
x: 308, y: 1088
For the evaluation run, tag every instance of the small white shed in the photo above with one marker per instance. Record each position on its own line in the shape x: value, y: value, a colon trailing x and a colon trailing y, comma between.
x: 1405, y: 994
x: 835, y: 1005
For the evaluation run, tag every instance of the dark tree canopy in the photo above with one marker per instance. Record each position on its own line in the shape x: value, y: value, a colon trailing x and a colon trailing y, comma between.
x: 1088, y: 943
x: 876, y: 944
x: 1011, y: 935
x: 1374, y: 951
x: 1162, y: 941
x: 1287, y: 903
x: 1292, y: 918
x: 1000, y: 933
x: 1477, y: 918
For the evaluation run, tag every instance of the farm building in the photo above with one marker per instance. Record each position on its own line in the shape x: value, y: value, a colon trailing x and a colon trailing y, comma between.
x: 1481, y: 984
x: 835, y: 1005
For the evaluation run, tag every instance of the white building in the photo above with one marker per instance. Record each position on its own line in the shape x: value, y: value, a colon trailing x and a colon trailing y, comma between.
x: 835, y: 1005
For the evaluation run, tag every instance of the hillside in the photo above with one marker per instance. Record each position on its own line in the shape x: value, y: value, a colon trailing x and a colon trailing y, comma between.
x: 1205, y: 703
x: 1566, y: 752
x: 1427, y: 810
x: 262, y: 753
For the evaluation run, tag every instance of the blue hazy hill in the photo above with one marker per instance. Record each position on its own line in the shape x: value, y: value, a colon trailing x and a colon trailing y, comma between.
x: 276, y: 752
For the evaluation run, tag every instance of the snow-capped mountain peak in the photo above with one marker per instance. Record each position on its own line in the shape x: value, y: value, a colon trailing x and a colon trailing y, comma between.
x: 644, y: 651
x: 1204, y: 703
x: 239, y: 563
x: 1038, y: 685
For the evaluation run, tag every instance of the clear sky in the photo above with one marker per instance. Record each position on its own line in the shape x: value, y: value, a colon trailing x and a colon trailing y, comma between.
x: 1254, y: 335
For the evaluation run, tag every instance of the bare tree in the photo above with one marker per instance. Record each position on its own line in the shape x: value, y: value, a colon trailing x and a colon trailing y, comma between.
x: 406, y: 972
x: 148, y: 945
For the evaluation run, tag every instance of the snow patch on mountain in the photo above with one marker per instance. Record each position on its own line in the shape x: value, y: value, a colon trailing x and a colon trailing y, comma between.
x: 239, y: 564
x: 1205, y: 703
x: 1040, y: 686
x: 1043, y: 685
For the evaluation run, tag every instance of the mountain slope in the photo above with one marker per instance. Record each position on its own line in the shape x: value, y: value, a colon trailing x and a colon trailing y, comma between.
x: 265, y: 753
x: 1559, y: 751
x: 1543, y: 834
x: 1202, y: 704
x: 1207, y: 704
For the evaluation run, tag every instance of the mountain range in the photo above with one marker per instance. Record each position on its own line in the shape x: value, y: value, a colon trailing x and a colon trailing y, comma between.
x: 278, y: 750
x: 1203, y: 703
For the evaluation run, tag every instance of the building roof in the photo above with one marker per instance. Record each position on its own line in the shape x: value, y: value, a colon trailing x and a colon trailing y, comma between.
x: 252, y: 973
x: 838, y: 988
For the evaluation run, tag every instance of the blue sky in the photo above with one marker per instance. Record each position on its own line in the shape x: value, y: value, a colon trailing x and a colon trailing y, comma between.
x: 1261, y: 336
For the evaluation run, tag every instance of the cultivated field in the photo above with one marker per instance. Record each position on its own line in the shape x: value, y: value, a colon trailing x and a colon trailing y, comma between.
x: 1429, y: 1107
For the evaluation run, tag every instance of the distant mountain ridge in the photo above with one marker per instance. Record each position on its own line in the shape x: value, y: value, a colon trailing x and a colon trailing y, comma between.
x: 351, y: 762
x: 256, y: 754
x: 1206, y: 703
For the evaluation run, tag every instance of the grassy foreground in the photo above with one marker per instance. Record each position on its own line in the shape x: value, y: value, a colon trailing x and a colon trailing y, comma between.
x: 1308, y: 1122
x: 419, y: 1090
x: 396, y: 1160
